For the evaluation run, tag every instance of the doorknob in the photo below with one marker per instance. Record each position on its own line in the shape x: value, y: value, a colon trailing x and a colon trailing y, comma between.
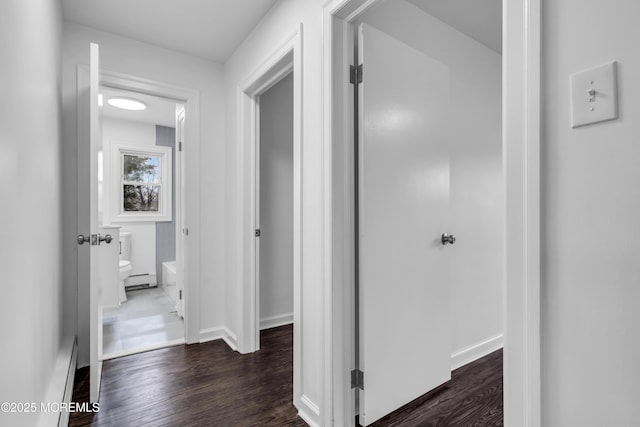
x: 447, y: 238
x: 94, y: 239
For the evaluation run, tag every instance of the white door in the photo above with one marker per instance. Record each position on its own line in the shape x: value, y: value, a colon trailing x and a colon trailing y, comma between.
x: 403, y: 211
x: 88, y: 221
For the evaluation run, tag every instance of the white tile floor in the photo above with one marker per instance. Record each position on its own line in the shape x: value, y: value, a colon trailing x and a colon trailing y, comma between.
x: 146, y: 320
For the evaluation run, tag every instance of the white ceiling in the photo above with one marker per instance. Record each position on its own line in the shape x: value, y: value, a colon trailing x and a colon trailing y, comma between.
x: 479, y: 19
x: 210, y: 29
x: 159, y: 111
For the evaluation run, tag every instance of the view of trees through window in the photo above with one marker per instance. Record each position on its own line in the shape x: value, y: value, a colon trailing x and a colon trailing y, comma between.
x: 141, y: 182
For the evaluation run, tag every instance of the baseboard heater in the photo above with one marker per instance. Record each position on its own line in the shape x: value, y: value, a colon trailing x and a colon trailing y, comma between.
x: 141, y: 281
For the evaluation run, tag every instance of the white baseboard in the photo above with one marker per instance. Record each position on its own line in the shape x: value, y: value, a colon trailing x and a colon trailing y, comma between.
x: 220, y: 332
x: 309, y: 412
x: 475, y: 351
x: 60, y: 388
x: 275, y: 321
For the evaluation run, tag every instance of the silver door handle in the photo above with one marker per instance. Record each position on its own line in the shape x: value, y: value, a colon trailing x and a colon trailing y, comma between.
x: 447, y: 238
x: 95, y: 239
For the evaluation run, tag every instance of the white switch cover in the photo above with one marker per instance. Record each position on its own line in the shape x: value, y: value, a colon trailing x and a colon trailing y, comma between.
x: 594, y: 97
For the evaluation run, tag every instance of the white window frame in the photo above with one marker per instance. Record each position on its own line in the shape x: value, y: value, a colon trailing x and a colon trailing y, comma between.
x: 165, y: 204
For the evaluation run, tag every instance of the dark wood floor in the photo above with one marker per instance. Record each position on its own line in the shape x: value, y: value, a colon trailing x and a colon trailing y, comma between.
x: 211, y: 385
x: 197, y: 385
x: 473, y: 398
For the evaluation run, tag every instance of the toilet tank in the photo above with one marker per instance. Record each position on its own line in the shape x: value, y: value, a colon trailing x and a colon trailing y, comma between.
x: 125, y: 246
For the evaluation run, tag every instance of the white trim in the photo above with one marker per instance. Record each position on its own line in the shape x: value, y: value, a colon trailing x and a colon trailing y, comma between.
x: 275, y: 321
x: 521, y: 136
x: 60, y: 388
x: 221, y: 332
x: 309, y: 411
x: 475, y: 351
x: 521, y: 145
x: 286, y: 57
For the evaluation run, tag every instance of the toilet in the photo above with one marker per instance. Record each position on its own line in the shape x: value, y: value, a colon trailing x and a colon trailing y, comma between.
x: 125, y: 264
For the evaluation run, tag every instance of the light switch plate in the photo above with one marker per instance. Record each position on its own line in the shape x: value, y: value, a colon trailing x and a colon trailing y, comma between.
x: 594, y: 97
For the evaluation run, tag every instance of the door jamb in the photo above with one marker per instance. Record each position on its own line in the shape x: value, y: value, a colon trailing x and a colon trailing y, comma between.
x: 280, y: 62
x: 521, y: 165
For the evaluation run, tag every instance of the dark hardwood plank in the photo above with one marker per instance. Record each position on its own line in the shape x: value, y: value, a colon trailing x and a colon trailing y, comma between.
x: 196, y: 385
x: 473, y: 398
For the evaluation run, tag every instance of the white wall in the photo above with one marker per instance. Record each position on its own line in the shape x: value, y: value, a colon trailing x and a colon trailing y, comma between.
x: 276, y: 28
x: 477, y: 201
x: 590, y: 222
x: 143, y: 234
x: 30, y: 189
x: 276, y: 201
x: 127, y: 56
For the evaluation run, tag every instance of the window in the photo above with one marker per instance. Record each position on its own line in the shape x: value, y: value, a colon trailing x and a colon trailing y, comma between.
x: 143, y: 183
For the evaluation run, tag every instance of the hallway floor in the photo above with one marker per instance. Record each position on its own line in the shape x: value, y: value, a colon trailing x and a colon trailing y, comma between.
x: 146, y: 320
x: 196, y: 385
x: 473, y: 398
x: 211, y: 385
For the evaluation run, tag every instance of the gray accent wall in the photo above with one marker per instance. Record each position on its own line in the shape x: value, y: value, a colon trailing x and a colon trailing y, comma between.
x: 166, y: 231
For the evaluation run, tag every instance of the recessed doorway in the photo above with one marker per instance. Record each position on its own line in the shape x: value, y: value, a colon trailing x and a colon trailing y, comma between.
x: 140, y: 201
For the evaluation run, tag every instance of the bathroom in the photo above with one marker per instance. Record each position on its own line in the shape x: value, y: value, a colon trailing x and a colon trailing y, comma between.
x: 142, y: 308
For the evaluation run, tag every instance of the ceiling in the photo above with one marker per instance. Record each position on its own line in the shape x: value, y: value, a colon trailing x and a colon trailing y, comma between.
x: 479, y: 19
x: 159, y: 111
x: 211, y: 29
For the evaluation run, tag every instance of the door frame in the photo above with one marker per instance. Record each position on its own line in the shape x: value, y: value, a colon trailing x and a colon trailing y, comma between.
x: 190, y: 98
x: 283, y: 60
x: 521, y: 165
x: 182, y: 145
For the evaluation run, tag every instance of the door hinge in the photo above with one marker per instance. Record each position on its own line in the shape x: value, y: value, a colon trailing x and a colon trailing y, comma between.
x: 180, y: 146
x: 180, y: 296
x: 357, y: 379
x: 257, y: 232
x: 355, y: 74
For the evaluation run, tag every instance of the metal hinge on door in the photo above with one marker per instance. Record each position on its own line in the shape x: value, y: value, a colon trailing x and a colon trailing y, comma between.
x: 355, y: 74
x: 357, y: 379
x: 180, y: 146
x: 180, y: 297
x: 257, y: 232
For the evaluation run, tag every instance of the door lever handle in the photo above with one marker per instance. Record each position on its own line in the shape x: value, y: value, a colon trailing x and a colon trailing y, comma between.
x: 447, y: 238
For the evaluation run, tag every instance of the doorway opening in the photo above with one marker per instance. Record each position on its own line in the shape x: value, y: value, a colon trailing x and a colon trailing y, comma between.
x: 520, y: 135
x: 284, y: 61
x: 141, y: 185
x: 274, y: 205
x: 429, y: 204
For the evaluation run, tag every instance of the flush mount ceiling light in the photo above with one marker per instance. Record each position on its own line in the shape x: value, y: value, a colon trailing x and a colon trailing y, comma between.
x: 127, y: 103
